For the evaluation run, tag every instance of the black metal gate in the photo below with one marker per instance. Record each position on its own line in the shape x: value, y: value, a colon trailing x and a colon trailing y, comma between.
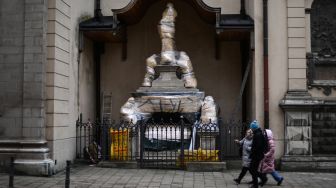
x: 162, y: 143
x: 158, y: 143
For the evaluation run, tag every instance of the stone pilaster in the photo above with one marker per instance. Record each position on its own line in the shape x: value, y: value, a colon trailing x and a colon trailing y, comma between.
x: 29, y: 147
x: 296, y: 45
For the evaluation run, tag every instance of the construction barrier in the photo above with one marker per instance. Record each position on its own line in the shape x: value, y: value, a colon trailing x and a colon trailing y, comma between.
x: 119, y: 144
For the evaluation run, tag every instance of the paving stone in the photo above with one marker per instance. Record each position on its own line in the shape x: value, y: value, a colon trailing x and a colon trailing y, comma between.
x: 84, y: 176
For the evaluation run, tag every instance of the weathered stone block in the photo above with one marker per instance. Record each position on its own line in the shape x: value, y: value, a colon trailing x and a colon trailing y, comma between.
x: 27, y: 112
x: 33, y: 16
x: 33, y: 103
x: 33, y: 49
x: 38, y: 77
x: 61, y: 6
x: 57, y: 106
x: 36, y: 122
x: 296, y: 12
x: 34, y: 1
x: 57, y: 80
x: 296, y: 42
x: 37, y: 112
x: 36, y: 7
x: 14, y: 112
x: 206, y: 166
x: 297, y: 84
x: 13, y: 58
x: 297, y: 63
x: 58, y: 54
x: 297, y: 73
x: 296, y: 22
x: 62, y: 43
x: 33, y: 32
x: 55, y: 14
x: 296, y: 3
x: 30, y: 68
x: 33, y: 90
x: 32, y: 132
x: 296, y: 32
x: 118, y: 164
x: 28, y: 77
x: 55, y: 66
x: 58, y: 119
x: 297, y: 53
x: 28, y: 58
x: 9, y: 50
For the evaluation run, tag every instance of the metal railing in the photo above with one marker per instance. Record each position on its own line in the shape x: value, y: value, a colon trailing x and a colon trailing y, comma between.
x: 158, y: 143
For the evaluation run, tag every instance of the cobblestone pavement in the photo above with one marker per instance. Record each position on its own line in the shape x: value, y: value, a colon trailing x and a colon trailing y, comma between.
x: 89, y: 176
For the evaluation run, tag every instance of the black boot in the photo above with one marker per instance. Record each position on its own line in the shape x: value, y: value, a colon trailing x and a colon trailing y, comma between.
x: 237, y: 180
x: 263, y: 181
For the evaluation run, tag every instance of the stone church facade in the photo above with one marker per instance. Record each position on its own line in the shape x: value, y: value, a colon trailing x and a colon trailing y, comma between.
x: 59, y: 58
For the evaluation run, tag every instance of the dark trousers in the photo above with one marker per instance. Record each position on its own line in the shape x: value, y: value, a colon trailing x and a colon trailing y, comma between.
x: 254, y: 172
x: 243, y: 172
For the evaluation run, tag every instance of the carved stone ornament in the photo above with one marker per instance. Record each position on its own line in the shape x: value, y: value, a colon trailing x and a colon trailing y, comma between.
x: 321, y: 63
x: 321, y: 73
x: 323, y: 28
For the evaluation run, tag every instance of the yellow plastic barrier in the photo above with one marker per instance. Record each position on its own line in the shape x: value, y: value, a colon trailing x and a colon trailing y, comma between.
x: 119, y: 145
x: 198, y: 155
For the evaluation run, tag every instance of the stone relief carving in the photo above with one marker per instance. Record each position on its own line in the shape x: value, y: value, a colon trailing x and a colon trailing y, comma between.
x: 298, y: 133
x: 323, y: 27
x: 321, y: 63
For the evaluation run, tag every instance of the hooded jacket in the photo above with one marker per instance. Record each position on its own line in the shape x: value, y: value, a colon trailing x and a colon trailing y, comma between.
x: 267, y: 164
x: 246, y: 144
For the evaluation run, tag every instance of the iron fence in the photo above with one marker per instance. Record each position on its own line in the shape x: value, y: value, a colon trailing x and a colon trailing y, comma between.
x: 158, y: 143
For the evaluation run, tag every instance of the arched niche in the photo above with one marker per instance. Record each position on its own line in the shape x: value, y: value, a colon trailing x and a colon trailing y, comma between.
x: 136, y: 9
x: 113, y: 28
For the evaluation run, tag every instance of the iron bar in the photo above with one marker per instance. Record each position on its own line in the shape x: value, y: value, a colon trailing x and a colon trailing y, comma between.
x: 11, y: 173
x: 182, y: 141
x: 67, y: 174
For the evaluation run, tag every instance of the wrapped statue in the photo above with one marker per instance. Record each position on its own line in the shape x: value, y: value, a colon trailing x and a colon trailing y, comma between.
x: 209, y: 111
x: 130, y: 112
x: 169, y: 55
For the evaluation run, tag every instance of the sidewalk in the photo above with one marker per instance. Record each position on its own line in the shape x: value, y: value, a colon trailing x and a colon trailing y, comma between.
x: 89, y: 176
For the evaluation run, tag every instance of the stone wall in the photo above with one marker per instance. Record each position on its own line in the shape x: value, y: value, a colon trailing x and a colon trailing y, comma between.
x: 296, y: 45
x: 63, y: 66
x: 23, y: 33
x: 11, y: 67
x: 278, y: 68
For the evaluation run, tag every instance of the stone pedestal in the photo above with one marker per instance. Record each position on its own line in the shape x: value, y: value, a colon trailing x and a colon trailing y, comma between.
x: 298, y: 107
x: 30, y: 156
x: 168, y: 94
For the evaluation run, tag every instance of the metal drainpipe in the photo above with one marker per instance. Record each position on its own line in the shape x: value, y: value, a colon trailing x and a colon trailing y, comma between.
x: 242, y: 8
x: 97, y: 11
x: 266, y: 89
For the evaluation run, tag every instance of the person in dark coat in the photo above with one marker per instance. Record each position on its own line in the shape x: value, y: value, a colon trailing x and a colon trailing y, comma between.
x: 246, y: 144
x: 257, y: 153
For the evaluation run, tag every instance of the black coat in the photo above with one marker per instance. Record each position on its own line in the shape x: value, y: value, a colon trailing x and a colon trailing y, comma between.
x: 258, y: 145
